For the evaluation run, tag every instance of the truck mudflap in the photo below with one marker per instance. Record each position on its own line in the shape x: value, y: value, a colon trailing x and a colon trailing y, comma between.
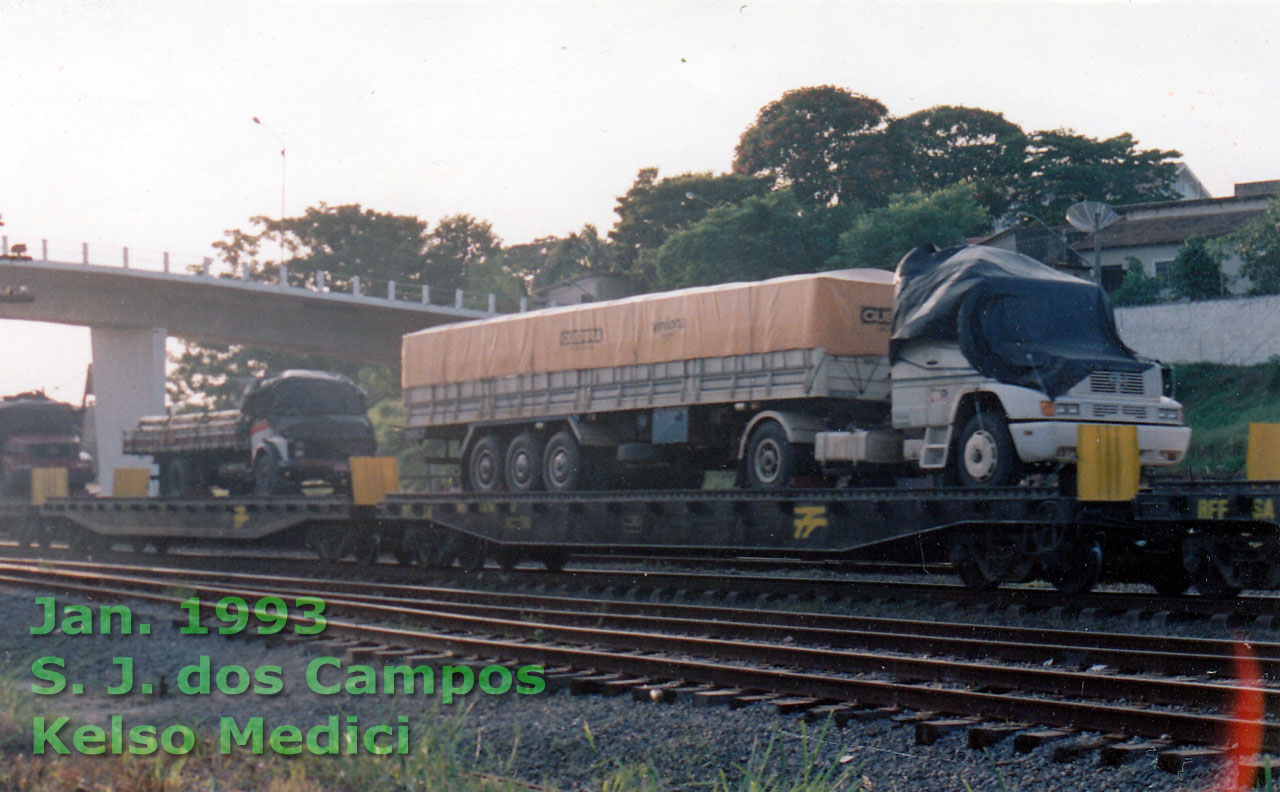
x: 800, y: 522
x: 1055, y: 441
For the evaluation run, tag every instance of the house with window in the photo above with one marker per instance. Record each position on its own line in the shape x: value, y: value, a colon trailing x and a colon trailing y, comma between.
x: 1151, y: 233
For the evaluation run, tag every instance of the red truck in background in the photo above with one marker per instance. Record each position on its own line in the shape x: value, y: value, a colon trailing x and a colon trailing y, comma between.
x: 38, y: 432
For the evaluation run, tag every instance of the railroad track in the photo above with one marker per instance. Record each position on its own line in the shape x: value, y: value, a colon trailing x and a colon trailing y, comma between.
x: 977, y: 677
x: 1262, y: 610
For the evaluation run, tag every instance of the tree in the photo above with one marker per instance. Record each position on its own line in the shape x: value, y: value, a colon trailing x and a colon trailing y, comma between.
x: 457, y: 246
x: 824, y: 143
x: 1197, y: 271
x: 344, y: 242
x: 1063, y: 168
x: 938, y: 147
x: 653, y: 209
x: 881, y: 237
x: 1257, y: 243
x: 761, y: 237
x: 577, y: 254
x: 1137, y: 288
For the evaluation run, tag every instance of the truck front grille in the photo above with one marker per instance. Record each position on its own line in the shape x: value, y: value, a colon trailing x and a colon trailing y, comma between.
x: 1128, y: 383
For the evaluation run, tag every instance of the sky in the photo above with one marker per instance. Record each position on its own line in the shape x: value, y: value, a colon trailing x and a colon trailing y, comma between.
x: 131, y: 123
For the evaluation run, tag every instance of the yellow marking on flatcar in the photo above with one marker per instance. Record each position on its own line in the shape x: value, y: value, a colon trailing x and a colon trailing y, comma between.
x: 1264, y: 509
x: 239, y: 516
x: 487, y: 508
x: 1211, y: 508
x: 808, y: 519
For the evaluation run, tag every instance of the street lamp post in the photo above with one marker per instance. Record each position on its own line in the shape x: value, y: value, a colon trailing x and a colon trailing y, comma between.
x: 283, y: 170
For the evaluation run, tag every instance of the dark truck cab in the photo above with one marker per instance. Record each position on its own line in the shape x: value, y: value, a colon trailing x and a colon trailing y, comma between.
x: 296, y: 427
x: 38, y: 432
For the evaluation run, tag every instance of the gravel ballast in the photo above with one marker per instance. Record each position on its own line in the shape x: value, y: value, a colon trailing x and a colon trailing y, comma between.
x: 571, y: 741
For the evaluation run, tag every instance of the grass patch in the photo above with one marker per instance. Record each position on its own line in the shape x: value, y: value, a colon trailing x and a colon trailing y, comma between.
x: 1220, y: 403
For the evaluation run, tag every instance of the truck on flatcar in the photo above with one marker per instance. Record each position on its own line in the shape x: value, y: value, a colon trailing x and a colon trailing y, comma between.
x: 971, y: 363
x: 292, y: 428
x: 38, y: 432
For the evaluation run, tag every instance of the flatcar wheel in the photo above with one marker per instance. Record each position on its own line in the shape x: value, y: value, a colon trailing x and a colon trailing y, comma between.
x: 968, y: 569
x: 423, y: 547
x: 1204, y: 562
x: 365, y: 548
x: 1077, y: 567
x: 509, y: 557
x: 329, y: 542
x: 1171, y: 580
x: 469, y: 552
x: 553, y: 560
x: 89, y: 545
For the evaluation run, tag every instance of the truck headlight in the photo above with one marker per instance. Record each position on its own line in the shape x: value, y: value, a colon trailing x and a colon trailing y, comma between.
x: 1169, y: 414
x: 297, y: 449
x: 1067, y: 408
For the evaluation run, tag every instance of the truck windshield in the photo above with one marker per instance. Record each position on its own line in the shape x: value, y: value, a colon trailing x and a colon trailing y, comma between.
x: 316, y: 398
x: 1070, y: 319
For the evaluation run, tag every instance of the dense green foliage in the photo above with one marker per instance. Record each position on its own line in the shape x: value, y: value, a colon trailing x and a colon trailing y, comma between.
x: 1197, y: 271
x: 762, y: 237
x: 1258, y: 245
x: 1062, y: 168
x: 944, y: 145
x: 1137, y: 288
x: 826, y: 144
x: 881, y: 237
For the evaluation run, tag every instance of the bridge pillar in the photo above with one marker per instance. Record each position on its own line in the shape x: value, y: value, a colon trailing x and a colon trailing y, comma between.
x: 128, y: 383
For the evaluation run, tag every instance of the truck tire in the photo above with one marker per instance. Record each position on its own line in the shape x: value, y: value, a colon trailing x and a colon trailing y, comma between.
x: 269, y: 478
x: 985, y: 456
x: 523, y: 465
x: 771, y: 458
x: 180, y: 477
x: 484, y: 465
x: 562, y: 463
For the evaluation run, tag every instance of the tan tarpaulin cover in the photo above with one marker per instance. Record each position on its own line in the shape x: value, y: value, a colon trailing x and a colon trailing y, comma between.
x: 845, y: 312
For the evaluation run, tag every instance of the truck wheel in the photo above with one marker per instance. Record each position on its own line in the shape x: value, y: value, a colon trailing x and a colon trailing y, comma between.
x: 523, y: 466
x: 179, y: 478
x: 484, y: 465
x: 269, y: 478
x: 771, y: 458
x: 985, y: 456
x: 562, y: 463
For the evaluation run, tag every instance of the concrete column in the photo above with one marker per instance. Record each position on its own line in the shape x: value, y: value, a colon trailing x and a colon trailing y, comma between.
x: 128, y: 383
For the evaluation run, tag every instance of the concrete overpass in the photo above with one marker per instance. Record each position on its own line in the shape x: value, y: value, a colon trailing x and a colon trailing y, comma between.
x: 131, y: 311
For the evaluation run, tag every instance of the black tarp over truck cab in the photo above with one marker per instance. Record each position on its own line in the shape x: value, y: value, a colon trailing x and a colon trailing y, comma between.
x: 1016, y: 320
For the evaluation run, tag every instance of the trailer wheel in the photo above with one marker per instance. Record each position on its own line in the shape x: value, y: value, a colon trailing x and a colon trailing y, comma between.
x: 562, y: 463
x: 771, y: 458
x: 179, y: 477
x: 985, y: 454
x: 523, y: 468
x: 484, y: 465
